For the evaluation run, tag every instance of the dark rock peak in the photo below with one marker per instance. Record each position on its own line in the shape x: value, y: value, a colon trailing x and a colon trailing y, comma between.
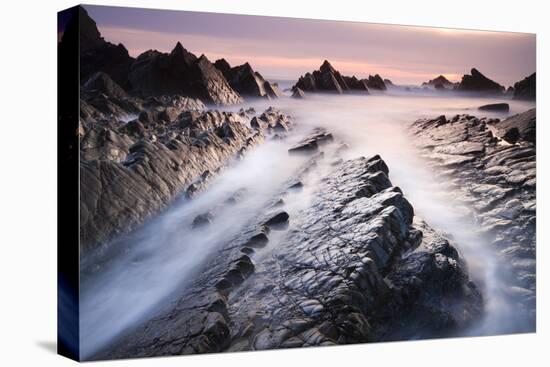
x: 327, y: 67
x: 89, y: 34
x: 477, y: 82
x: 328, y: 79
x: 475, y: 73
x: 222, y: 63
x: 526, y: 88
x: 440, y: 83
x: 376, y: 82
x: 440, y: 79
x: 180, y: 72
x: 96, y: 54
x: 223, y: 66
x: 178, y: 50
x: 246, y: 81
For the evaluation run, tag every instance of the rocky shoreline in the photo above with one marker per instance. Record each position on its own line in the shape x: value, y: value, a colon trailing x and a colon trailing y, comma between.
x: 131, y: 170
x: 337, y: 255
x: 491, y: 167
x: 339, y: 272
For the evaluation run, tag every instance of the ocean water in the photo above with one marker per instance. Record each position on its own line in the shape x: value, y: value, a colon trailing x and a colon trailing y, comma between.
x: 165, y: 253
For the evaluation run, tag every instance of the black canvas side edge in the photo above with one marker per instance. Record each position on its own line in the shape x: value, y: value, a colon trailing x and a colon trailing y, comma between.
x: 68, y: 331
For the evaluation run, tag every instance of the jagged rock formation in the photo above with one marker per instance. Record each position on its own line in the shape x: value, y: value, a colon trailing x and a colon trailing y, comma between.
x: 440, y: 83
x: 95, y: 53
x: 376, y: 82
x: 527, y: 88
x: 271, y: 120
x: 130, y: 171
x: 328, y: 79
x: 180, y: 72
x: 154, y: 73
x: 492, y: 165
x: 477, y: 82
x: 339, y: 275
x: 246, y: 81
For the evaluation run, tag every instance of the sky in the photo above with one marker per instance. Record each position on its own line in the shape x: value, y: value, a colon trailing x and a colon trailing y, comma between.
x: 285, y: 48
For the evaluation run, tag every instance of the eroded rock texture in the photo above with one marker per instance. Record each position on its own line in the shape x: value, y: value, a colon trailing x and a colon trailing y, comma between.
x: 342, y: 271
x: 492, y: 167
x: 130, y: 171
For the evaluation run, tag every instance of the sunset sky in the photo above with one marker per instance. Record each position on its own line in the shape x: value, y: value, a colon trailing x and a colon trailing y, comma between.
x: 285, y: 48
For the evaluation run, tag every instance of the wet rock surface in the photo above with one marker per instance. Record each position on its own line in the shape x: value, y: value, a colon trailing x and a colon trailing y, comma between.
x: 132, y: 170
x: 341, y: 272
x: 491, y: 165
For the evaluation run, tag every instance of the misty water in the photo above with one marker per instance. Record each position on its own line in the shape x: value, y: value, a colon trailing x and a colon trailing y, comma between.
x: 162, y: 256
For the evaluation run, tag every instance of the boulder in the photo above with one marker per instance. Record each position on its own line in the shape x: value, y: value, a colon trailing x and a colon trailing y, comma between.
x: 497, y: 107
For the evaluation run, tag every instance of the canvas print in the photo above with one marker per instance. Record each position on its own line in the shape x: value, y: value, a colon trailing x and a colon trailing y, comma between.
x: 246, y: 183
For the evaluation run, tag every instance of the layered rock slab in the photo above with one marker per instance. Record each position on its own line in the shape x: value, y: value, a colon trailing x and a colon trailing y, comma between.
x: 327, y: 281
x: 131, y: 171
x: 491, y: 166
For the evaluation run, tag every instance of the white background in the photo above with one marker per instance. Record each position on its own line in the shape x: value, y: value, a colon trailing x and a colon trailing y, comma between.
x: 28, y: 182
